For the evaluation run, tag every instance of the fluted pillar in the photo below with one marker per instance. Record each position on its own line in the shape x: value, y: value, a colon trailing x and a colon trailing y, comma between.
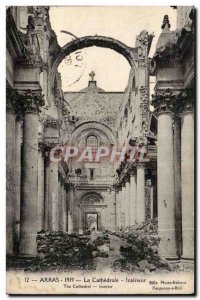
x: 166, y: 202
x: 140, y: 204
x: 133, y: 198
x: 10, y: 180
x: 187, y: 177
x: 29, y: 203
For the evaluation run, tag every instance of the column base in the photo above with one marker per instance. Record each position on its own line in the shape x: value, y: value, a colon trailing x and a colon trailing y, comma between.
x: 26, y: 256
x: 173, y: 258
x: 185, y: 258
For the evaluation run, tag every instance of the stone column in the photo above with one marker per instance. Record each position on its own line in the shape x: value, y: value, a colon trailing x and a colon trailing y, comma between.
x: 110, y: 210
x: 59, y: 202
x: 18, y: 135
x: 177, y: 183
x: 118, y: 208
x: 46, y: 192
x: 51, y: 134
x: 123, y: 206
x: 133, y: 197
x: 41, y: 194
x: 166, y: 203
x: 70, y: 223
x: 187, y: 177
x: 64, y: 209
x: 155, y: 198
x: 66, y: 193
x: 127, y: 203
x: 10, y: 179
x: 70, y: 209
x: 29, y: 203
x: 140, y: 205
x: 80, y: 230
x: 53, y: 196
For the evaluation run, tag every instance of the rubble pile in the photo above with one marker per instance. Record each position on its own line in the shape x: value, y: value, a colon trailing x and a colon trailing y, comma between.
x: 140, y: 249
x: 148, y: 227
x: 58, y: 249
x: 101, y: 244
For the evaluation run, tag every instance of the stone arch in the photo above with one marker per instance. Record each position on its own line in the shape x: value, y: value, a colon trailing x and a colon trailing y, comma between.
x: 92, y: 203
x: 85, y: 199
x: 91, y: 126
x: 130, y: 54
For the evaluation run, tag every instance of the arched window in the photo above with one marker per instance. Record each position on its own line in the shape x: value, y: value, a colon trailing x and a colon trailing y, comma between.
x: 92, y: 142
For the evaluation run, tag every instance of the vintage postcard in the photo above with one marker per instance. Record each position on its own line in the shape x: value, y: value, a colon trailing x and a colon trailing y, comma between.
x: 100, y: 118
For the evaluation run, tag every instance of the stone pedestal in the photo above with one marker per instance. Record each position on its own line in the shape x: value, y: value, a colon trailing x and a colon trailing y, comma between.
x: 133, y: 199
x: 166, y: 203
x: 140, y: 211
x: 187, y: 177
x: 127, y: 204
x: 10, y: 181
x: 29, y: 203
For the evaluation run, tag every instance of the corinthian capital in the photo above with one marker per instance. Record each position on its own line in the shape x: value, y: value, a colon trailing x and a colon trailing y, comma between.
x: 163, y: 101
x: 24, y: 101
x: 173, y: 101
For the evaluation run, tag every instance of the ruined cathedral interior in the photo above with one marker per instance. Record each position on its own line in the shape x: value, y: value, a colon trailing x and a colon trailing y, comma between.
x: 68, y: 195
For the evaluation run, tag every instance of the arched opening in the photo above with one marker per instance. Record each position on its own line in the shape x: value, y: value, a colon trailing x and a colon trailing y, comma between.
x: 130, y: 54
x: 92, y: 211
x: 92, y: 142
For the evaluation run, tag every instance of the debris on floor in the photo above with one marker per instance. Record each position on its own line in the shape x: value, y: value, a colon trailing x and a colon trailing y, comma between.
x: 64, y: 250
x: 139, y: 249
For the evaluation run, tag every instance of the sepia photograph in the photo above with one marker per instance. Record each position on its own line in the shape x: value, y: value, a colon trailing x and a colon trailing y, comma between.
x: 100, y: 153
